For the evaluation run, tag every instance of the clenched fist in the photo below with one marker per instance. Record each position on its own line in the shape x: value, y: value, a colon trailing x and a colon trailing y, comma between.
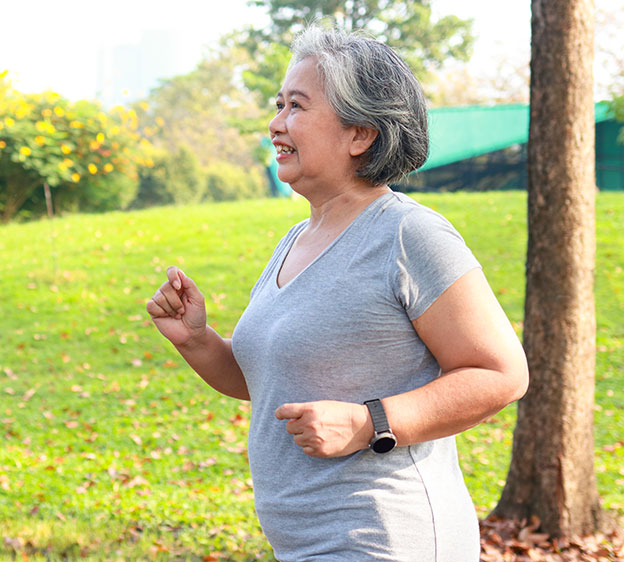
x: 327, y: 428
x: 178, y: 309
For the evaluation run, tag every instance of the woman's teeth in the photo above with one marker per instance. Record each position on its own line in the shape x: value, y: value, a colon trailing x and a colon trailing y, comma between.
x: 281, y: 149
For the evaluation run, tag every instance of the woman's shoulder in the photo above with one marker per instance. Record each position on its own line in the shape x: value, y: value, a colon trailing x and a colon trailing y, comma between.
x: 409, y: 216
x: 421, y: 234
x: 428, y: 255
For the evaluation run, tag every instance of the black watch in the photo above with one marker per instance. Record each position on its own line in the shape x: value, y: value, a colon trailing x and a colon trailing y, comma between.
x: 384, y: 440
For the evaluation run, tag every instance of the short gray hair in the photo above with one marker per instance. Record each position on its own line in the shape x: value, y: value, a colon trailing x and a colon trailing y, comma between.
x: 367, y: 84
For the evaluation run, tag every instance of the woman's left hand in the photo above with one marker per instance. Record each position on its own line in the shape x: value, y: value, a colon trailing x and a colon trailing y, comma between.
x: 327, y: 428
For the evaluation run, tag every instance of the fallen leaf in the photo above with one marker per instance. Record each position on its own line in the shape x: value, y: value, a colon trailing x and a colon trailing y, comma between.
x: 137, y: 481
x: 112, y: 387
x: 238, y: 419
x: 16, y: 543
x: 504, y: 540
x: 136, y: 439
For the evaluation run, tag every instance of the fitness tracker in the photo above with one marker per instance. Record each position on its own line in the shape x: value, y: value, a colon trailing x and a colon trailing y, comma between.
x: 384, y: 440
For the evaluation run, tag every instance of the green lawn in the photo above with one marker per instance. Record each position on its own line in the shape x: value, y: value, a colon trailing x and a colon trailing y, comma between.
x: 114, y: 450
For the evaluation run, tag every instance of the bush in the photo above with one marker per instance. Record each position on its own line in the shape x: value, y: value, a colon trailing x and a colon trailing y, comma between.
x: 185, y: 180
x: 153, y: 184
x: 179, y: 179
x: 226, y: 182
x: 174, y: 178
x: 89, y: 157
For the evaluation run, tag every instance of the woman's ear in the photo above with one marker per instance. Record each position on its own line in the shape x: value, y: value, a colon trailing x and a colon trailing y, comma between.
x: 362, y: 139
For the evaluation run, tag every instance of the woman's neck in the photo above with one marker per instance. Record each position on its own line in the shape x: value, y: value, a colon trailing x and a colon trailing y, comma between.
x: 338, y: 210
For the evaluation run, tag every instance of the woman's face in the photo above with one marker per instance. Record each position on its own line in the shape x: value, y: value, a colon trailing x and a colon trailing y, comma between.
x: 313, y: 148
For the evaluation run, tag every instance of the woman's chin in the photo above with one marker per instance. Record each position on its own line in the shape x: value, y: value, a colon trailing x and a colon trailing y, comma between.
x: 285, y: 177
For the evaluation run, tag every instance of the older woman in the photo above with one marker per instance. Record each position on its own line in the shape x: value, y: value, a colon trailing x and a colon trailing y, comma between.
x: 370, y: 339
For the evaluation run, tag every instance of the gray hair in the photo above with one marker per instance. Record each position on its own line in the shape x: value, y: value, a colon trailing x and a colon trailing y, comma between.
x: 367, y: 84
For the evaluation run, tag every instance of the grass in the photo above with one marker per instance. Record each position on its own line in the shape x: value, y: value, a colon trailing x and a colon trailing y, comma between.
x: 114, y: 450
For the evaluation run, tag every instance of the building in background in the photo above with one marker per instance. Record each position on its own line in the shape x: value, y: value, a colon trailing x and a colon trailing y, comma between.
x: 128, y: 72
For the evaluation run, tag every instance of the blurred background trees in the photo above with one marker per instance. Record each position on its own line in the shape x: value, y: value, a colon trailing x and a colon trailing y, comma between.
x: 198, y: 136
x: 405, y: 25
x: 205, y: 126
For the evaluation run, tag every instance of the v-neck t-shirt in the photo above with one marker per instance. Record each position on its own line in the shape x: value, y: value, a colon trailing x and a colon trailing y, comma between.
x: 342, y: 330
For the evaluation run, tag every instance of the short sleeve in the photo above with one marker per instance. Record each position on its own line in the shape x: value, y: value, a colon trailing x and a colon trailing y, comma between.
x: 429, y: 255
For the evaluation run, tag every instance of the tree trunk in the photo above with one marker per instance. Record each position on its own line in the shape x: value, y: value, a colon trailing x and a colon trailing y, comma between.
x: 552, y: 468
x: 16, y: 195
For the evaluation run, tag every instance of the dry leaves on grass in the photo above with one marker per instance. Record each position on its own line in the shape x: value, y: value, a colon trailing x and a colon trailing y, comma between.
x: 504, y: 540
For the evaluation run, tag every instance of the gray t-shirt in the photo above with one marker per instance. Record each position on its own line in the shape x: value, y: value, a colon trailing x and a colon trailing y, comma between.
x: 341, y: 330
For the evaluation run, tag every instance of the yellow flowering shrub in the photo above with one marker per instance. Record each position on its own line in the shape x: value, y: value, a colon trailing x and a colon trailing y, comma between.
x: 37, y: 134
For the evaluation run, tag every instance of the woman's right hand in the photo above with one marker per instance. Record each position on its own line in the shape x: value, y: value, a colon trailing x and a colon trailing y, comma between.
x: 178, y: 309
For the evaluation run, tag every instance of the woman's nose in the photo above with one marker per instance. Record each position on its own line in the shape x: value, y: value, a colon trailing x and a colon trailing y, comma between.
x: 277, y: 124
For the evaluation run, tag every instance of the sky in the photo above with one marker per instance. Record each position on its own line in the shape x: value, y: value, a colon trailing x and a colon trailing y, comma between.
x: 55, y: 45
x: 499, y: 25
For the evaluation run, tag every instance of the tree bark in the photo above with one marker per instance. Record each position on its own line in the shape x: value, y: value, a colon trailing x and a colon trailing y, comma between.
x: 16, y: 195
x: 552, y: 468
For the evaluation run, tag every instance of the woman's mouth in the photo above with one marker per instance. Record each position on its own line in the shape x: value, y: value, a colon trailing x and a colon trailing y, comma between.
x: 284, y: 149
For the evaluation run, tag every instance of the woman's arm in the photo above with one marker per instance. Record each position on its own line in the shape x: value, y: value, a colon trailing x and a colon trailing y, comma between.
x: 481, y: 359
x: 178, y: 311
x: 483, y: 369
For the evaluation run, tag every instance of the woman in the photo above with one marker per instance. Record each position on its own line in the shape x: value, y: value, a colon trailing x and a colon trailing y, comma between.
x: 374, y: 299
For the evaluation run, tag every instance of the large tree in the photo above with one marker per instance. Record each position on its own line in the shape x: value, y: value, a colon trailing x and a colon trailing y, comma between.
x: 406, y: 25
x: 552, y: 467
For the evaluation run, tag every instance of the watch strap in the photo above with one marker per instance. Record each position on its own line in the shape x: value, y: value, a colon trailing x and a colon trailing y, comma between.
x: 378, y: 415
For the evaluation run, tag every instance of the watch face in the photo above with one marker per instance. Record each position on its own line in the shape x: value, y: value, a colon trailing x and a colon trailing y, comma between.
x: 384, y: 444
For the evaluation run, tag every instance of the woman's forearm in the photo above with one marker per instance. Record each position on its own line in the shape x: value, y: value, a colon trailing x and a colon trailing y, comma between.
x: 448, y: 405
x: 452, y: 403
x: 211, y: 357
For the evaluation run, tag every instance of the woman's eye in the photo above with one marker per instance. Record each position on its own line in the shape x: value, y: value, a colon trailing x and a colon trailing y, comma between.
x: 280, y: 105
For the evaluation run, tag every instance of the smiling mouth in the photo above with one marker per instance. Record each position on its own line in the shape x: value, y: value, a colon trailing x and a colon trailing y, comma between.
x: 283, y: 149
